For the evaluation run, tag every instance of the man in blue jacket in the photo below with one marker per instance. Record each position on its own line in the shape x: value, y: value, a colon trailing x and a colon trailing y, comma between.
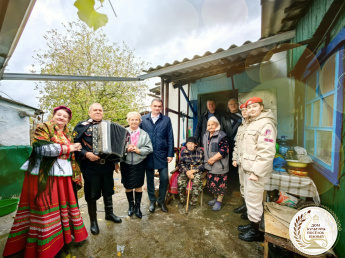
x: 159, y: 128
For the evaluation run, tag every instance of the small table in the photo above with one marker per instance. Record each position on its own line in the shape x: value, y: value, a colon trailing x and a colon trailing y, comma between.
x: 302, y: 186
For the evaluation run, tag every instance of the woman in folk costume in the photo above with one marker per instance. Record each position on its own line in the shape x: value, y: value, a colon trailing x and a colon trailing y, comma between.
x: 236, y: 155
x: 257, y: 163
x: 216, y: 160
x: 133, y: 167
x: 48, y: 215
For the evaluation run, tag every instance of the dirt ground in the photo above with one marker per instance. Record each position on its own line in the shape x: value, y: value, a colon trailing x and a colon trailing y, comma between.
x: 200, y: 233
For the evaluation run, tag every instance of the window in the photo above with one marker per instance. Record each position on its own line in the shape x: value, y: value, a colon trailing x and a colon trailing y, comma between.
x: 323, y: 105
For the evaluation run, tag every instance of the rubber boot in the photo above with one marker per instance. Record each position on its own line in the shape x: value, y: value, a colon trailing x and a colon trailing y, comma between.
x: 241, y: 209
x: 137, y: 210
x: 253, y: 234
x: 108, y: 207
x: 92, y: 208
x: 131, y: 203
x: 244, y: 228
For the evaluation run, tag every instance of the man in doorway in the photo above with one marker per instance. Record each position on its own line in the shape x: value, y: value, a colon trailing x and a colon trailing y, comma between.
x: 202, y: 122
x: 160, y: 131
x: 97, y: 170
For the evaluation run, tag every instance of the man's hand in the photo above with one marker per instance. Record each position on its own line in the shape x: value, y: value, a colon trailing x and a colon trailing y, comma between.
x: 253, y: 177
x: 117, y: 167
x: 91, y: 156
x: 169, y: 159
x: 234, y: 163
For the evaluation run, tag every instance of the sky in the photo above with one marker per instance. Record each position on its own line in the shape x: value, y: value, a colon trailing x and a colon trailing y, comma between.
x: 159, y: 32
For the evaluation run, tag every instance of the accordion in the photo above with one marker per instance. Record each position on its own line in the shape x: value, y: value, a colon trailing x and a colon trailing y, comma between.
x: 109, y: 139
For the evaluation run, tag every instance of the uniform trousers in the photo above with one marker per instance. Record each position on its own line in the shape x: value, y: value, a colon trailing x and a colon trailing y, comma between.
x: 98, y: 179
x: 253, y: 195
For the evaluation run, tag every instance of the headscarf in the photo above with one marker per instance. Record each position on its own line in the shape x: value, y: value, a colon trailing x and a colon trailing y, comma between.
x: 214, y: 119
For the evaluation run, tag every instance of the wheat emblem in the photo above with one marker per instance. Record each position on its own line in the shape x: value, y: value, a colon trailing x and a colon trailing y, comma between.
x: 297, y: 228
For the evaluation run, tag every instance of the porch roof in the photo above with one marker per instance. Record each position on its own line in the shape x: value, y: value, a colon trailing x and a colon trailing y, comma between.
x: 231, y: 61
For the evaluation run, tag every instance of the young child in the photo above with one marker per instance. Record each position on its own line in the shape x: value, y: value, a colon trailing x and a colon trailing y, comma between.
x: 216, y: 161
x: 191, y: 166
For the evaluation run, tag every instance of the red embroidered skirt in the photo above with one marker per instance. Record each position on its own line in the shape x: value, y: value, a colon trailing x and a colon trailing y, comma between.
x: 42, y: 229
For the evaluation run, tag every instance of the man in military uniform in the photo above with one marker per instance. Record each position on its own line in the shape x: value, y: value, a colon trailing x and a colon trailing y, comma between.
x: 97, y: 170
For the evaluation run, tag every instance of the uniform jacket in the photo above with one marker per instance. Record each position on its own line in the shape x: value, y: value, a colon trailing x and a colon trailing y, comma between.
x: 202, y: 125
x: 212, y: 148
x: 162, y: 138
x: 237, y: 153
x: 259, y: 145
x: 145, y: 147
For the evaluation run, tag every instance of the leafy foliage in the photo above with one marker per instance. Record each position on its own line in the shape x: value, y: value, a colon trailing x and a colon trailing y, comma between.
x: 81, y: 51
x: 88, y: 14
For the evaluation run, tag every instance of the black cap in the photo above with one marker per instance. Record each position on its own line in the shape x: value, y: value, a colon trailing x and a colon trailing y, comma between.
x: 191, y: 139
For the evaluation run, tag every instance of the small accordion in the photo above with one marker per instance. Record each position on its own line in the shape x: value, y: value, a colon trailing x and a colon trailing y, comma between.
x: 110, y: 139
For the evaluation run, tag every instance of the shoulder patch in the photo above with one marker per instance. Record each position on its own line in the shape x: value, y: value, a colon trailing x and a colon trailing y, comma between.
x: 85, y: 123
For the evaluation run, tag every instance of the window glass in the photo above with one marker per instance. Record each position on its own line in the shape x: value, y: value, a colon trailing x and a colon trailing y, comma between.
x: 316, y: 113
x: 327, y: 111
x: 324, y: 146
x: 327, y: 75
x: 311, y: 87
x: 308, y: 115
x: 309, y: 141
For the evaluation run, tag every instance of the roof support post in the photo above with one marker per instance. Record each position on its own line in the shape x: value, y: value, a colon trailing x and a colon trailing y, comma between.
x: 187, y: 99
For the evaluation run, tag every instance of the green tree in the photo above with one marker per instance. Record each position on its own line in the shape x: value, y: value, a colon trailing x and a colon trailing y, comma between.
x: 78, y: 50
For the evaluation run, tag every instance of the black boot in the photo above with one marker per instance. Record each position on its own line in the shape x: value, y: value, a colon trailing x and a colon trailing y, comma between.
x: 244, y: 228
x: 137, y: 204
x: 92, y: 208
x: 152, y: 206
x: 131, y: 203
x: 244, y: 215
x: 241, y: 209
x: 252, y: 234
x: 108, y: 207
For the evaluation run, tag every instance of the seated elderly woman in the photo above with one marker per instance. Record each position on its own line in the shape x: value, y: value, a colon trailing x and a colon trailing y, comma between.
x: 133, y: 166
x: 48, y: 215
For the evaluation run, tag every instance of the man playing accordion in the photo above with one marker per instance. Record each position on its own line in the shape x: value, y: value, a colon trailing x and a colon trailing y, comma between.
x: 97, y: 169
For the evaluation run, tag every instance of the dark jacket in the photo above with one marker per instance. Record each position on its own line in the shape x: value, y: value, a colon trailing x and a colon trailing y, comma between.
x: 231, y: 128
x: 202, y: 126
x: 162, y: 138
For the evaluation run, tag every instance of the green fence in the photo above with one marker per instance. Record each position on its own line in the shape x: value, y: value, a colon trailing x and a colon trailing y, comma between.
x: 11, y: 177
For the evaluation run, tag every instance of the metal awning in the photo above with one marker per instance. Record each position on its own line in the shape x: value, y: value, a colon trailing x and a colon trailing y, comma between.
x: 230, y: 61
x: 278, y: 16
x: 13, y: 17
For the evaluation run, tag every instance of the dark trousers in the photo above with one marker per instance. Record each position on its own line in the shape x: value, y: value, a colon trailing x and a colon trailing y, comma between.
x: 163, y: 184
x: 98, y: 180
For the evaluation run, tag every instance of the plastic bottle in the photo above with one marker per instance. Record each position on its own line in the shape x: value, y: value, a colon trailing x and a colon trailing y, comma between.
x: 283, y: 147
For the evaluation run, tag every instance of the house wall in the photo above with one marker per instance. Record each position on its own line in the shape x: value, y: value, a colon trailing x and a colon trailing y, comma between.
x: 331, y: 196
x: 15, y: 130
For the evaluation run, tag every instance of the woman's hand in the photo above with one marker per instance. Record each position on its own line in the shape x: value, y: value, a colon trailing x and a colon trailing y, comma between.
x: 253, y: 177
x: 190, y: 174
x: 130, y: 148
x: 211, y: 161
x: 75, y: 147
x: 234, y: 163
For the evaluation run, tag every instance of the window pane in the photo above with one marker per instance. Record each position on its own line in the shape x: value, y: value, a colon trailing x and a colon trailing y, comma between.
x: 316, y: 113
x: 311, y: 87
x: 327, y: 111
x: 327, y: 75
x: 309, y: 141
x: 308, y: 115
x: 324, y: 146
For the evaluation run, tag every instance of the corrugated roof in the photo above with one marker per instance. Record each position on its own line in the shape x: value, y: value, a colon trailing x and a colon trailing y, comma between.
x: 231, y: 61
x: 278, y: 16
